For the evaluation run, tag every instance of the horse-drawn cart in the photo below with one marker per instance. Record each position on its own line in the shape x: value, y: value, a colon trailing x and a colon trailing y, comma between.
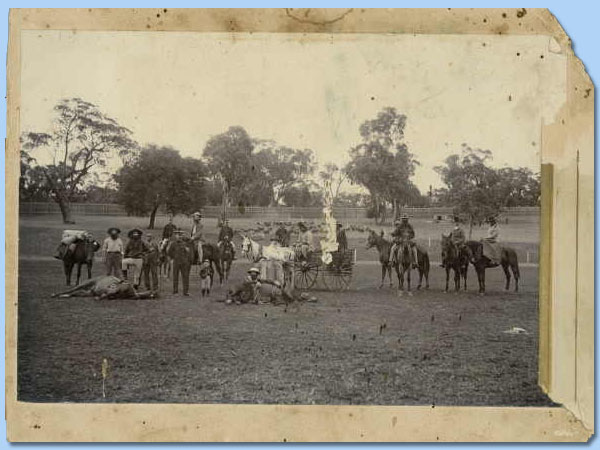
x: 336, y: 275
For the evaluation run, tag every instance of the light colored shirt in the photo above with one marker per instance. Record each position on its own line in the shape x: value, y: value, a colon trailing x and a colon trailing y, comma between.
x: 197, y: 231
x: 493, y: 233
x: 112, y: 245
x: 306, y: 237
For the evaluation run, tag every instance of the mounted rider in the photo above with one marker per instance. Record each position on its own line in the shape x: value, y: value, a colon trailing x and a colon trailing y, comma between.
x: 226, y: 237
x: 197, y: 234
x: 490, y: 247
x: 457, y: 236
x: 404, y: 232
x: 169, y: 228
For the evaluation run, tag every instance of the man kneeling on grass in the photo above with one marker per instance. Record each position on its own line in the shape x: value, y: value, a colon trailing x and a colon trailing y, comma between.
x: 106, y: 287
x: 249, y: 290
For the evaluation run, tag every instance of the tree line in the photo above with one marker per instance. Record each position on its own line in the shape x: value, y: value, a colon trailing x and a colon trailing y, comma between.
x: 240, y: 170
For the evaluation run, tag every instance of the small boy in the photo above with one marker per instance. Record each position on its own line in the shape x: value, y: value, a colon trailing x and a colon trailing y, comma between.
x: 206, y: 274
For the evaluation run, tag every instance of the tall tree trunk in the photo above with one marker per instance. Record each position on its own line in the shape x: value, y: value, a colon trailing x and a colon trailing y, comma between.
x: 152, y: 218
x: 470, y: 226
x: 65, y: 209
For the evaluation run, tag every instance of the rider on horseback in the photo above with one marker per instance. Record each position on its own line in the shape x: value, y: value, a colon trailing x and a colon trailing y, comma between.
x: 226, y: 237
x: 457, y: 237
x: 197, y: 235
x: 490, y: 242
x: 404, y: 232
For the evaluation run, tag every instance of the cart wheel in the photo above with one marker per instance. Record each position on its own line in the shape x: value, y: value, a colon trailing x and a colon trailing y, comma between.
x: 337, y: 278
x: 305, y: 275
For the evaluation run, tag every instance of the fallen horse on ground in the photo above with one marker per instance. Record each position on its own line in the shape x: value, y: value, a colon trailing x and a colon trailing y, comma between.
x: 106, y: 287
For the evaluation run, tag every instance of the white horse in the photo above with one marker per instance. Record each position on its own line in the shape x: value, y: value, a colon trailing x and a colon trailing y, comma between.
x: 269, y: 258
x: 165, y: 263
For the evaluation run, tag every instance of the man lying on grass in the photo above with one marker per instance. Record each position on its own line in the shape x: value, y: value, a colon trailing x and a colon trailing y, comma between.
x: 106, y: 287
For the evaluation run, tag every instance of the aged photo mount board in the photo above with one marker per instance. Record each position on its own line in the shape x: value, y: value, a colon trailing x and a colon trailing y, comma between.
x: 566, y: 269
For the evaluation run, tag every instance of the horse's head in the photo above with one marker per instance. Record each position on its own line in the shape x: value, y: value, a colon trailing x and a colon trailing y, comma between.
x: 371, y: 239
x: 246, y: 245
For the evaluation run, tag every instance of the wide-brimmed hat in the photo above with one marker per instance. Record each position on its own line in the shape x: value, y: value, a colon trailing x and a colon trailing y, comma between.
x: 113, y: 230
x: 339, y: 225
x: 134, y: 232
x: 197, y: 214
x: 404, y: 216
x: 253, y: 270
x: 302, y: 225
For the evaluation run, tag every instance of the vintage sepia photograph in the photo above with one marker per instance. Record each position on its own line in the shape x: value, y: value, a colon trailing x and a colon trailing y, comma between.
x: 282, y: 218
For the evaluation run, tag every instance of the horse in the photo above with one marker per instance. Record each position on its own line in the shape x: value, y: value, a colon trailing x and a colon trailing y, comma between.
x: 213, y: 254
x: 383, y: 247
x: 165, y: 265
x: 265, y: 255
x: 508, y: 259
x: 226, y: 258
x: 403, y: 265
x: 456, y: 259
x: 83, y: 253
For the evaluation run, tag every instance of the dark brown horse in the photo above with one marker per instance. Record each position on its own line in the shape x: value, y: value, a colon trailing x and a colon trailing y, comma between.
x: 456, y: 259
x: 508, y: 259
x: 403, y: 262
x: 226, y: 258
x: 383, y: 247
x: 213, y: 254
x: 83, y: 253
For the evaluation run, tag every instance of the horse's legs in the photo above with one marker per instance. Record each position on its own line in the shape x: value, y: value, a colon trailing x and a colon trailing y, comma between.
x: 383, y: 272
x: 480, y: 271
x: 515, y: 271
x: 420, y: 278
x: 457, y: 279
x: 465, y: 270
x: 78, y: 272
x: 507, y: 275
x: 408, y: 279
x: 89, y: 269
x: 389, y: 271
x: 68, y: 267
x: 447, y: 277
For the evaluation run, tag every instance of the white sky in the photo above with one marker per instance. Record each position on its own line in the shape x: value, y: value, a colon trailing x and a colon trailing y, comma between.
x: 309, y: 91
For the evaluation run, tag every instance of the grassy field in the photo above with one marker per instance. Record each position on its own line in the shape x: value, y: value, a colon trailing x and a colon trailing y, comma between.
x: 364, y: 346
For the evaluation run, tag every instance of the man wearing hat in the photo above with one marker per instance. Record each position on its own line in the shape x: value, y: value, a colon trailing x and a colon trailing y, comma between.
x: 169, y: 228
x: 249, y: 290
x: 226, y: 237
x: 282, y: 235
x: 404, y: 231
x: 182, y: 253
x: 305, y: 240
x: 341, y: 238
x: 457, y: 236
x: 113, y: 252
x: 150, y: 266
x: 134, y: 255
x: 197, y: 234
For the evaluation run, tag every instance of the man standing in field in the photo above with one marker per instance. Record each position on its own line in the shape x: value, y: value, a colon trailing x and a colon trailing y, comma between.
x: 150, y: 267
x: 197, y: 234
x: 113, y: 252
x: 182, y: 254
x: 134, y: 256
x: 341, y: 238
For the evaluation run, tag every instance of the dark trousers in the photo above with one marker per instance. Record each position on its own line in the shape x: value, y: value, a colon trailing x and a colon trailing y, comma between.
x: 184, y: 269
x: 150, y: 272
x: 113, y: 264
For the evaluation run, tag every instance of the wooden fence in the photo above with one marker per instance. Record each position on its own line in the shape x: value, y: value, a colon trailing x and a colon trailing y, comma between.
x: 346, y: 214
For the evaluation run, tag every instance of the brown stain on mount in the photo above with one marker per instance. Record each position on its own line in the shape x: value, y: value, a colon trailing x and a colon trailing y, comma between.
x: 305, y: 17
